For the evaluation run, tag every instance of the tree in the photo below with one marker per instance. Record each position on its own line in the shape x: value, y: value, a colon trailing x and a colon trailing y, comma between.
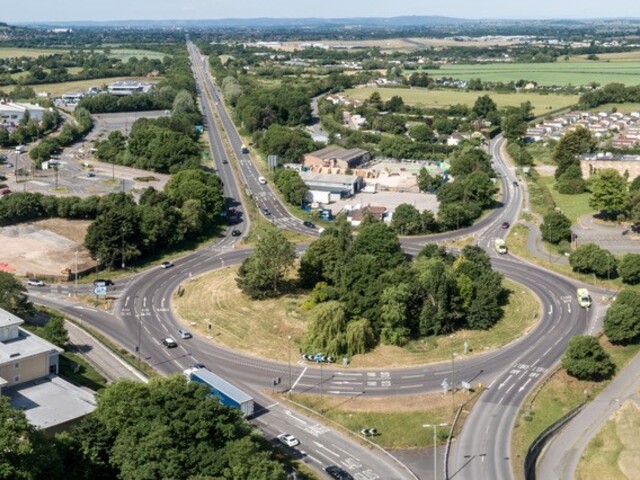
x: 622, y: 320
x: 585, y: 359
x: 394, y: 105
x: 359, y: 337
x: 379, y: 240
x: 263, y: 274
x: 590, y: 258
x: 291, y: 186
x: 421, y: 133
x: 320, y: 262
x: 183, y: 104
x: 289, y: 144
x: 326, y: 333
x: 198, y: 185
x: 573, y: 143
x: 55, y: 332
x: 394, y: 315
x: 428, y: 183
x: 13, y: 296
x: 608, y: 191
x: 484, y: 105
x: 555, y: 227
x: 630, y: 268
x: 470, y: 159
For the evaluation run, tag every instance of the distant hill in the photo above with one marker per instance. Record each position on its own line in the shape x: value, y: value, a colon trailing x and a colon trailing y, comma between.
x: 267, y: 22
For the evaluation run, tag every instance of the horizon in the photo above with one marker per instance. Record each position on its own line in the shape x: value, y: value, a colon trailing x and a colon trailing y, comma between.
x: 34, y: 12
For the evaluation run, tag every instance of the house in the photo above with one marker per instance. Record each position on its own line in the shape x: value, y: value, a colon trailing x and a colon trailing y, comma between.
x: 72, y: 98
x: 129, y: 87
x: 28, y: 376
x: 356, y: 215
x: 334, y: 156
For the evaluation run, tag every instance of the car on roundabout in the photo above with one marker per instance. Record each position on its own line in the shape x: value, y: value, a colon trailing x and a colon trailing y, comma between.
x: 338, y: 473
x: 169, y: 342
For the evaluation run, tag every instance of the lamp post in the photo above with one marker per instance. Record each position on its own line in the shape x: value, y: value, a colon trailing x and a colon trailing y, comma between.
x: 139, y: 338
x: 122, y: 253
x: 289, y: 358
x: 453, y: 382
x: 76, y: 276
x: 435, y: 458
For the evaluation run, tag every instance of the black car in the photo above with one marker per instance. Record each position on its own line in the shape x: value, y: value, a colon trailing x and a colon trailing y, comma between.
x: 236, y: 233
x: 505, y: 225
x: 266, y: 211
x: 338, y: 473
x: 308, y: 224
x: 515, y: 184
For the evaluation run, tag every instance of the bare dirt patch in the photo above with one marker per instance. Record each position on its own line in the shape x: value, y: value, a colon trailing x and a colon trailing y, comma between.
x: 44, y: 248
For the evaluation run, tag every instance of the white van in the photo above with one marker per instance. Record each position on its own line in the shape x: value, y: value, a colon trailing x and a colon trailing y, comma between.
x: 262, y: 180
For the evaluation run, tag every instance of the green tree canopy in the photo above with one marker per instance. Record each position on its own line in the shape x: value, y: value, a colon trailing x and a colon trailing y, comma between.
x: 585, y: 359
x: 289, y: 144
x: 590, y: 258
x: 622, y: 320
x: 570, y: 146
x: 291, y: 185
x: 630, y: 268
x: 555, y: 227
x: 608, y: 191
x: 13, y: 296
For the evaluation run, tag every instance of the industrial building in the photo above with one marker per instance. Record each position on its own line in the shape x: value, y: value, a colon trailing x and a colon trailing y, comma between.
x: 129, y: 87
x: 339, y: 157
x: 324, y: 188
x: 12, y: 113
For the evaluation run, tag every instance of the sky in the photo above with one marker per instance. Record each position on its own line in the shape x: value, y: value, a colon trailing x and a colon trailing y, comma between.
x: 100, y: 10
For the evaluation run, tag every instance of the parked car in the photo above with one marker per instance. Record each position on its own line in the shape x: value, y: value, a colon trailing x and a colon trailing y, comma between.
x: 338, y: 473
x: 288, y: 440
x: 184, y: 333
x: 169, y: 342
x: 308, y: 224
x: 167, y: 264
x: 35, y: 282
x: 236, y: 233
x: 505, y: 225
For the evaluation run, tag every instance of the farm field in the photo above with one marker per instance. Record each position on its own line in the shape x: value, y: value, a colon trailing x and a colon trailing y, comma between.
x: 442, y: 98
x: 620, y: 69
x: 27, y: 52
x: 126, y: 54
x: 57, y: 89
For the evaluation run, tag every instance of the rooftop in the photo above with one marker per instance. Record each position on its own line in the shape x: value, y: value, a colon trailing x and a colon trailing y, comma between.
x: 50, y: 401
x: 8, y: 319
x: 328, y: 178
x: 339, y: 153
x: 25, y: 346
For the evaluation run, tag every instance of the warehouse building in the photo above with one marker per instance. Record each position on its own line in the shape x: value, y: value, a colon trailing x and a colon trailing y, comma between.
x: 339, y: 157
x: 325, y: 188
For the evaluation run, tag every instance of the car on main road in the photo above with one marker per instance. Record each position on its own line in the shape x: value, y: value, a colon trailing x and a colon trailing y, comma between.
x: 167, y: 264
x: 236, y: 233
x: 198, y: 365
x: 308, y: 224
x: 90, y: 174
x: 266, y: 211
x: 505, y: 225
x: 9, y: 165
x: 103, y: 282
x: 288, y: 440
x: 169, y: 342
x: 515, y: 184
x: 338, y: 473
x: 35, y: 282
x: 184, y: 333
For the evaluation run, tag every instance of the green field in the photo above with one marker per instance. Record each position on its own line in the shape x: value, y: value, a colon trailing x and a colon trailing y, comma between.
x: 620, y: 70
x: 444, y: 98
x: 57, y: 89
x: 126, y: 54
x: 27, y: 52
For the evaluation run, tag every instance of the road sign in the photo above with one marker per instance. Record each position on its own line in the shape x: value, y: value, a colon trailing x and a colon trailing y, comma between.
x: 100, y: 290
x: 445, y: 385
x: 466, y: 385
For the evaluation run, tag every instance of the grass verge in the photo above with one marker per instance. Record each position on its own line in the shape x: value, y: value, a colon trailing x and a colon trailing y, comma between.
x: 614, y: 452
x: 573, y: 206
x: 560, y: 394
x: 80, y: 372
x: 213, y: 299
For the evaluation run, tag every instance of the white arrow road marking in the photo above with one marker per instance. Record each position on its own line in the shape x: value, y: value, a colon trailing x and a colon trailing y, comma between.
x: 550, y: 309
x: 503, y: 383
x: 288, y: 412
x: 525, y: 384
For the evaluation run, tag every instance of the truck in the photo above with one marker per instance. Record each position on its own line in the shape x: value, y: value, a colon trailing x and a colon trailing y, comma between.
x: 584, y: 299
x: 500, y: 246
x: 227, y: 394
x: 244, y: 149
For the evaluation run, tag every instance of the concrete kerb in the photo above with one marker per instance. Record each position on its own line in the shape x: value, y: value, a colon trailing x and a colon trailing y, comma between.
x: 372, y: 444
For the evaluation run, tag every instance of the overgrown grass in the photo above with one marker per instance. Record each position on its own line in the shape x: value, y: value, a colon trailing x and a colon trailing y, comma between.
x: 557, y: 397
x: 398, y: 420
x: 573, y: 206
x: 540, y: 197
x: 542, y: 153
x: 77, y: 370
x: 11, y: 52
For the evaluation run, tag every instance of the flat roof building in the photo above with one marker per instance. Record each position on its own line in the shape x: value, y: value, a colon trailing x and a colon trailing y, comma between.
x: 334, y: 156
x: 12, y: 113
x: 340, y: 186
x: 129, y: 87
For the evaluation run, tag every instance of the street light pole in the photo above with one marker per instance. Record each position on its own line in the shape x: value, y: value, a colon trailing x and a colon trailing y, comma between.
x: 76, y: 282
x: 289, y: 358
x: 435, y: 459
x: 453, y: 382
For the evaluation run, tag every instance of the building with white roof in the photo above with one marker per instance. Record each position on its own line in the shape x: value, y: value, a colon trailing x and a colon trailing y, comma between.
x: 129, y: 87
x: 12, y: 113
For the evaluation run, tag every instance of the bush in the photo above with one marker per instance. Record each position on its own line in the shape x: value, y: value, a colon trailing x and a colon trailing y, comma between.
x: 630, y: 268
x: 622, y: 321
x: 590, y: 258
x: 555, y: 227
x: 585, y: 359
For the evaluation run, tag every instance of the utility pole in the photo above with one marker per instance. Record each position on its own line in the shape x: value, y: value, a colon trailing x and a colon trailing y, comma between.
x: 122, y: 252
x: 76, y: 283
x: 289, y: 358
x: 453, y: 382
x: 435, y: 439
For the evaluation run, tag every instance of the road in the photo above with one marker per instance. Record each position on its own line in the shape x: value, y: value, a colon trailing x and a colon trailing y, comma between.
x: 561, y: 456
x: 142, y: 317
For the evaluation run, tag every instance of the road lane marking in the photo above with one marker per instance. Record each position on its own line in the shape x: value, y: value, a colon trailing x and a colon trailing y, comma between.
x: 298, y: 379
x: 503, y: 383
x: 525, y: 384
x: 320, y: 445
x: 345, y: 452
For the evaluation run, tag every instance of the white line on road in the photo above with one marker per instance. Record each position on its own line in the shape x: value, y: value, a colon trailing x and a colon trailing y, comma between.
x: 503, y: 383
x: 410, y: 386
x: 508, y: 389
x: 412, y: 376
x: 314, y: 459
x: 345, y: 452
x: 298, y: 379
x: 320, y: 445
x: 525, y: 384
x: 288, y: 412
x: 345, y: 373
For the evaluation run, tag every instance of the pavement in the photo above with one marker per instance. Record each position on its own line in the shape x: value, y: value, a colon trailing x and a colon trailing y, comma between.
x: 560, y: 457
x: 104, y: 360
x: 616, y: 238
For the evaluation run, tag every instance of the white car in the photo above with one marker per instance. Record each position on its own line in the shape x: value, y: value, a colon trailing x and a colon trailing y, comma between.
x: 184, y: 333
x: 288, y: 440
x: 34, y: 282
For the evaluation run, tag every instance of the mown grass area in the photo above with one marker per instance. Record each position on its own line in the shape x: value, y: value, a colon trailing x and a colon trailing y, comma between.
x: 398, y: 420
x: 445, y: 98
x: 125, y: 54
x: 11, y: 52
x: 619, y: 70
x: 573, y: 206
x: 262, y: 327
x: 620, y: 107
x: 77, y: 370
x: 57, y: 89
x: 540, y: 197
x: 557, y: 397
x: 615, y: 451
x: 542, y: 153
